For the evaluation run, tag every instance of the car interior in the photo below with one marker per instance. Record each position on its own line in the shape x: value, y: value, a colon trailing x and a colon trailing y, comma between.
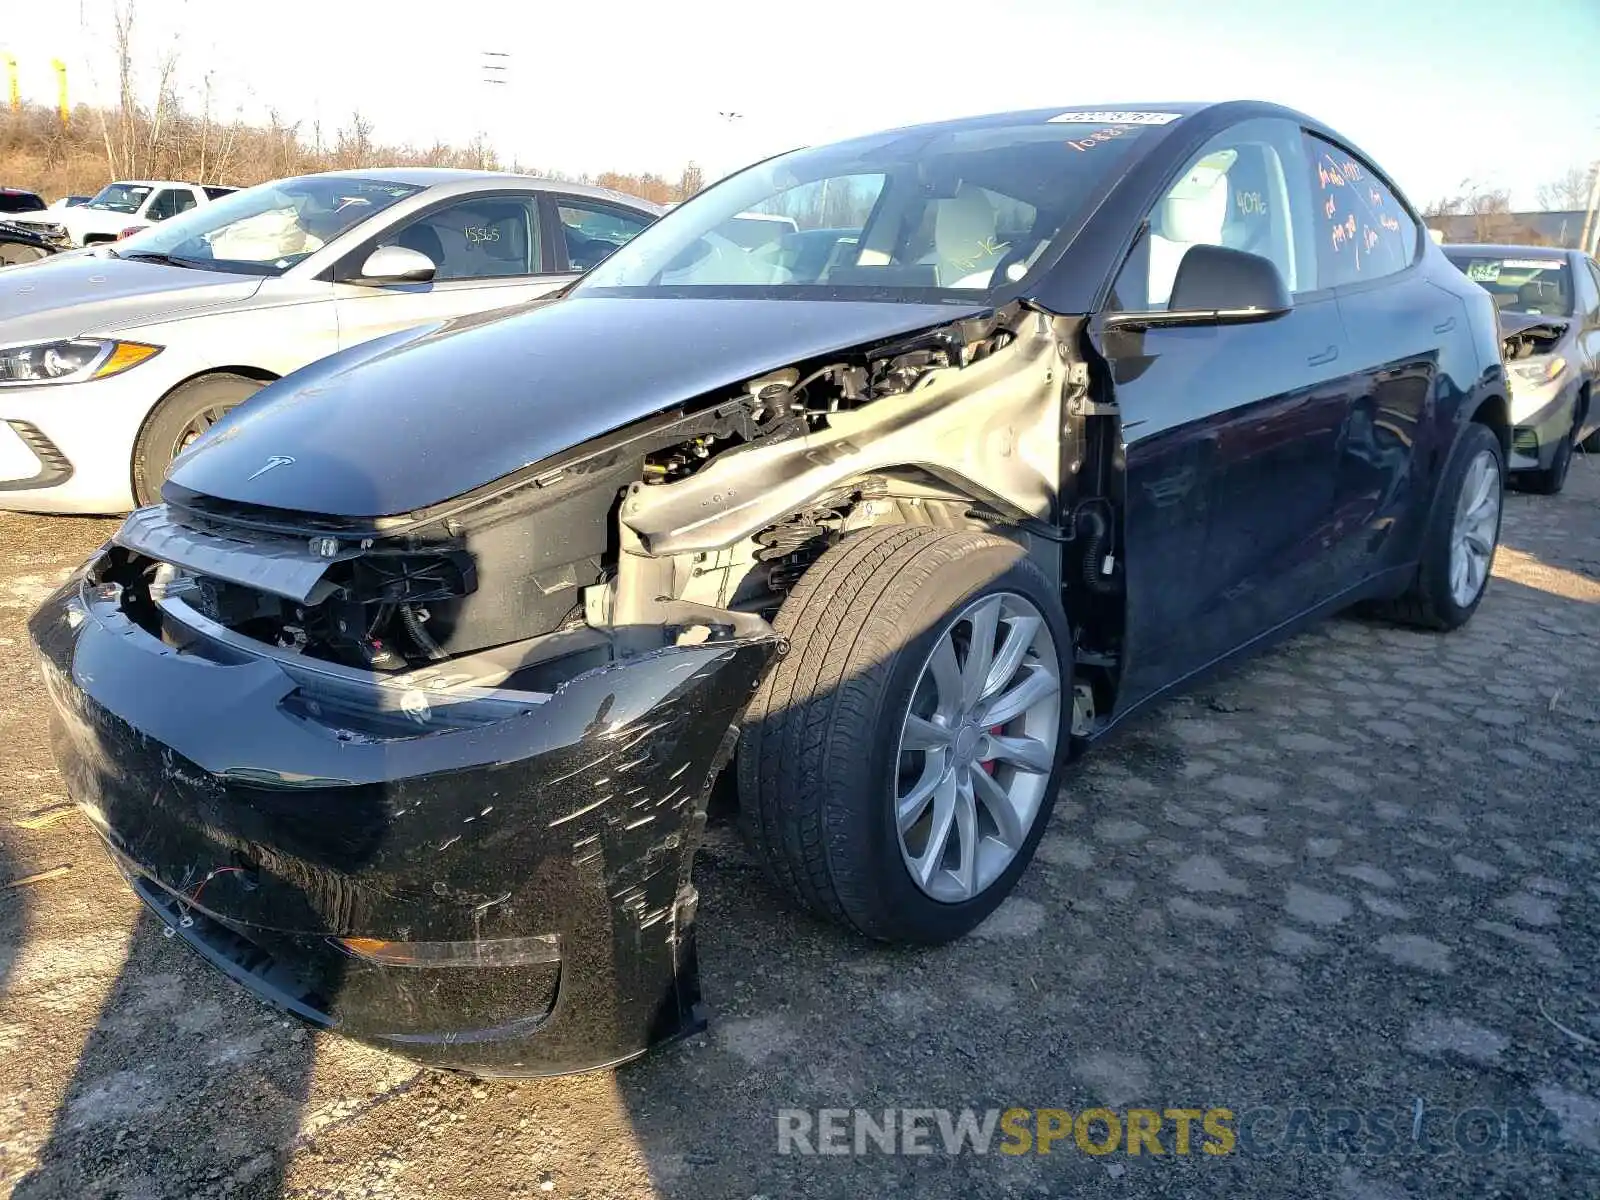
x: 481, y: 239
x: 584, y: 252
x: 1539, y: 288
x: 1236, y: 197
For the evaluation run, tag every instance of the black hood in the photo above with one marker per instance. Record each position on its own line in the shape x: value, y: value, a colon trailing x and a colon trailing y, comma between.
x: 415, y: 419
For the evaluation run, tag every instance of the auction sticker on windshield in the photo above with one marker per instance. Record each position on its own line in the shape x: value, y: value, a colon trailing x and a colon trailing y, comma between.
x: 1114, y: 118
x: 1483, y: 271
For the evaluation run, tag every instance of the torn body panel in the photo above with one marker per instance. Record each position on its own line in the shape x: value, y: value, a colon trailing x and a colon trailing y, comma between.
x: 286, y: 845
x: 991, y: 427
x: 1530, y: 340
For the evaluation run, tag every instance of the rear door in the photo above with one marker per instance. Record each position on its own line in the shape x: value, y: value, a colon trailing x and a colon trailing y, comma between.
x: 1369, y: 245
x: 1230, y: 430
x: 489, y: 251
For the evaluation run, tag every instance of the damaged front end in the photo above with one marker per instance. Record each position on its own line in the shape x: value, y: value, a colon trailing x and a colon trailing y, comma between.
x: 463, y: 865
x: 435, y: 779
x: 1542, y: 388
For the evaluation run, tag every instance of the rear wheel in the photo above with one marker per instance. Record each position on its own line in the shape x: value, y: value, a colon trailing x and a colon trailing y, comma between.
x: 187, y: 412
x: 899, y: 765
x: 1459, y: 545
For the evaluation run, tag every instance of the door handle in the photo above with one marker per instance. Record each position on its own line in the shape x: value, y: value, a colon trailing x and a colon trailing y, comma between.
x: 1327, y: 356
x: 1445, y: 326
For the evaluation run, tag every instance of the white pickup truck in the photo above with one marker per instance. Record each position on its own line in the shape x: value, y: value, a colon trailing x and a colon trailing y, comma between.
x: 119, y: 208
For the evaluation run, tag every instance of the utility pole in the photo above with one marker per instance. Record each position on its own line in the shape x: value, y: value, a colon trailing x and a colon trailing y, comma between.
x: 494, y: 72
x: 1591, y: 225
x: 1591, y: 220
x: 60, y: 68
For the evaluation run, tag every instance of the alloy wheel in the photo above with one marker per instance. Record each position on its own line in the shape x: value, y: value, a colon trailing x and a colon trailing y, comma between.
x: 201, y: 421
x: 1477, y: 523
x: 977, y: 746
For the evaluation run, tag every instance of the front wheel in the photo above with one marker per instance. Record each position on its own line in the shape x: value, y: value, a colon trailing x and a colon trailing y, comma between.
x: 1553, y: 478
x: 899, y: 764
x: 182, y: 416
x: 1459, y: 545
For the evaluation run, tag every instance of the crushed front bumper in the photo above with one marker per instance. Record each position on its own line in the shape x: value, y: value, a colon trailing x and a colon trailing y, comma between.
x: 505, y: 893
x: 1541, y: 418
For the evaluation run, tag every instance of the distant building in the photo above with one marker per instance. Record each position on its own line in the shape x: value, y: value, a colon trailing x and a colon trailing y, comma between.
x: 1513, y: 228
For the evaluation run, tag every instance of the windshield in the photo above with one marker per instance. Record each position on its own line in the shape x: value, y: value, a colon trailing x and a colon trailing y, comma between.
x: 120, y: 197
x: 266, y: 230
x: 901, y: 215
x: 1538, y: 286
x: 19, y: 202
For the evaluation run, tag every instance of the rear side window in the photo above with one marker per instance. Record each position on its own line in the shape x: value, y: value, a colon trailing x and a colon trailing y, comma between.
x: 170, y: 203
x: 1363, y: 230
x: 595, y: 231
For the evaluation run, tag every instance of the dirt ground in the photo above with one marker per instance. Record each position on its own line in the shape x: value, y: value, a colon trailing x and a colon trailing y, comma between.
x: 1361, y: 873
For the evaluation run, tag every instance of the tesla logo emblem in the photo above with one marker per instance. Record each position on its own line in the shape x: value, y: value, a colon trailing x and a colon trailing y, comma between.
x: 272, y: 464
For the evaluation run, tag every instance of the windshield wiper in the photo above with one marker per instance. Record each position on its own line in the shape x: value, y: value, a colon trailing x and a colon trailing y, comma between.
x: 157, y: 257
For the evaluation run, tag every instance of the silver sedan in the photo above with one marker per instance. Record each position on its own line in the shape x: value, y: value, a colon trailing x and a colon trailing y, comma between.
x: 112, y: 360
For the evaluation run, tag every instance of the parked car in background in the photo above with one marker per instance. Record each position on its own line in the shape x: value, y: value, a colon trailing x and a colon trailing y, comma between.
x: 19, y: 244
x: 15, y: 200
x: 112, y: 360
x: 70, y: 201
x: 1549, y: 304
x: 119, y: 208
x: 404, y: 705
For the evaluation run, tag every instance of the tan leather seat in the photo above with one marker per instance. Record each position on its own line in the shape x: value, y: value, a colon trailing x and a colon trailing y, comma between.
x: 965, y: 241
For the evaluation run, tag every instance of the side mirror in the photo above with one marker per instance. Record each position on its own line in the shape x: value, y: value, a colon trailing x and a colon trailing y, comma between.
x: 1216, y: 286
x: 396, y: 264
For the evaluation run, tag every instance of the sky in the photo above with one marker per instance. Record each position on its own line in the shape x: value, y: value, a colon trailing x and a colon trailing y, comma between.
x: 1437, y: 91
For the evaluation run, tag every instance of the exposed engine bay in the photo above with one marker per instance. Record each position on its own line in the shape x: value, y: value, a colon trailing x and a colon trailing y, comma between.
x: 672, y: 528
x: 1534, y: 340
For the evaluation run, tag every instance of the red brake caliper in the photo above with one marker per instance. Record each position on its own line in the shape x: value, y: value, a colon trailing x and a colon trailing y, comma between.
x: 988, y: 764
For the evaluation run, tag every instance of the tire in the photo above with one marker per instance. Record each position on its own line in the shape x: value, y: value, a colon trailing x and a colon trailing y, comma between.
x: 820, y: 766
x: 1553, y: 478
x: 186, y: 411
x: 1429, y: 602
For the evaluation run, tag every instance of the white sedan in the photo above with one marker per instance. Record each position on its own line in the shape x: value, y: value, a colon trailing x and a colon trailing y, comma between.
x: 113, y: 359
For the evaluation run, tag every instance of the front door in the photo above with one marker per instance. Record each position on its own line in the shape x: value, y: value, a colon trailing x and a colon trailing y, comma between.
x: 488, y: 252
x: 1230, y: 431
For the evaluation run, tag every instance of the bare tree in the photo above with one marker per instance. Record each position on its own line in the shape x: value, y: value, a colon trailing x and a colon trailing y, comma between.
x: 352, y: 145
x: 692, y: 180
x: 134, y: 141
x: 1568, y: 192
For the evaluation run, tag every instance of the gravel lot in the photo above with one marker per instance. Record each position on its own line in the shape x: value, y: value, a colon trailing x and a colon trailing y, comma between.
x: 1356, y: 873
